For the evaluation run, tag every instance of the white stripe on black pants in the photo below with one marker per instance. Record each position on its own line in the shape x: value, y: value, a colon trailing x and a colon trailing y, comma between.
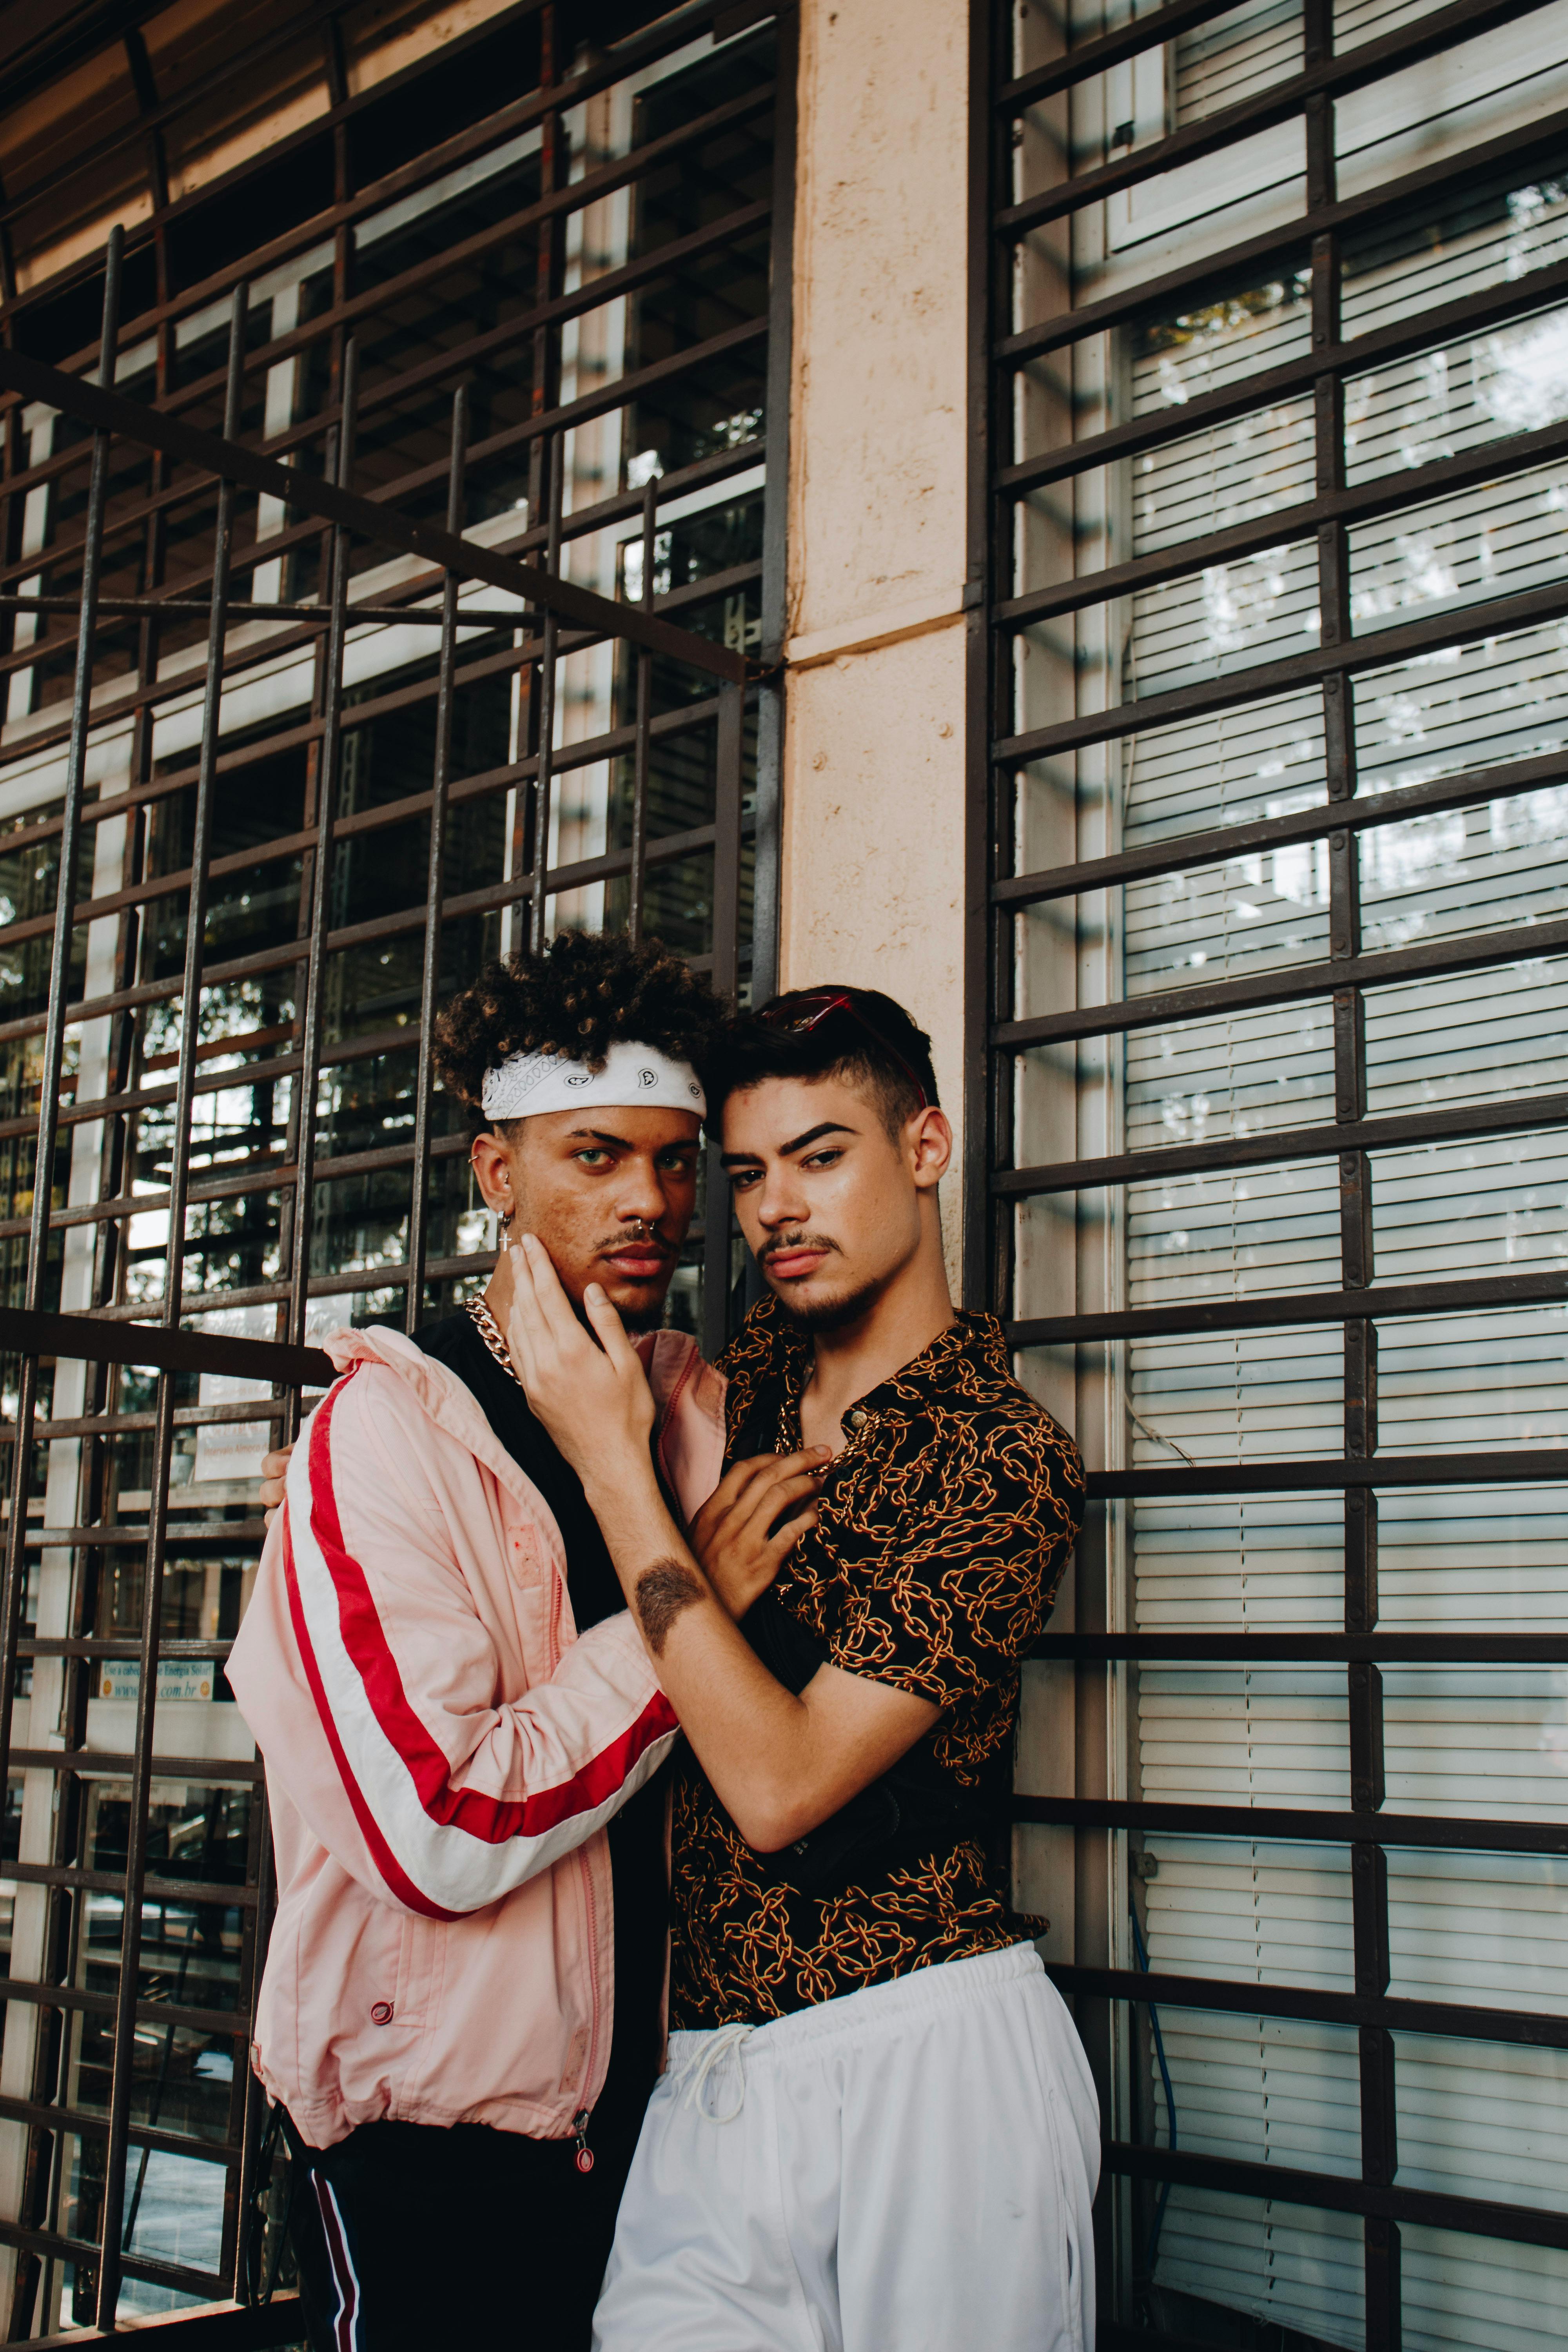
x: 905, y: 2169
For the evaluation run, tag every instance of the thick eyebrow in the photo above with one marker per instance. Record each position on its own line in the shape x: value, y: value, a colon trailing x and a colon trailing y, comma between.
x: 619, y: 1143
x: 799, y: 1143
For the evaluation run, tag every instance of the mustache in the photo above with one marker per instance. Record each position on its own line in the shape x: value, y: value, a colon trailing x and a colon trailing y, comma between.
x: 781, y: 1245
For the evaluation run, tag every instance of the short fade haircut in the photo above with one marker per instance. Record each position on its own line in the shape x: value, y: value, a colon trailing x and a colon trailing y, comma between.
x: 866, y: 1048
x: 587, y: 993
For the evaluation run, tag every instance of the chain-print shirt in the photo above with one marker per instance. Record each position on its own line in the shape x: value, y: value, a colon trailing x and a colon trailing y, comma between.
x: 942, y: 1531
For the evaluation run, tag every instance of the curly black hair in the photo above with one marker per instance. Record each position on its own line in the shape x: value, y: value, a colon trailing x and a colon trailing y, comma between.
x: 587, y: 993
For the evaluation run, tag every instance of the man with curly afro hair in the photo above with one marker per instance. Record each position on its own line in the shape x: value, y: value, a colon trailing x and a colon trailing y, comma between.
x: 460, y: 2017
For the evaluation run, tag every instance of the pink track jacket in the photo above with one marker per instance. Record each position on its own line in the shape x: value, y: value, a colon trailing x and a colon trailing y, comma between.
x: 442, y: 1754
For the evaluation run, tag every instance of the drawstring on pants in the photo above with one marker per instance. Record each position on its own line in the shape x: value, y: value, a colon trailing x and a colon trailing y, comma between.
x: 719, y: 2044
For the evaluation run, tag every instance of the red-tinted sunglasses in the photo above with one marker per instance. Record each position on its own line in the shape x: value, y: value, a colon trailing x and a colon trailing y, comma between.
x: 812, y: 1007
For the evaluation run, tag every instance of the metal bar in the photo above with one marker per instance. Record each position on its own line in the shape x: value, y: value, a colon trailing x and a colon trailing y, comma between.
x: 718, y: 1213
x: 637, y: 871
x: 16, y: 1581
x: 1445, y: 1831
x: 418, y: 1201
x: 78, y: 1999
x: 1235, y: 1995
x: 1335, y: 1474
x: 1107, y: 49
x: 315, y: 959
x: 1337, y: 2193
x: 1292, y: 1309
x: 1363, y: 502
x: 1473, y: 1647
x: 122, y: 2076
x: 1332, y: 77
x: 367, y: 517
x: 1267, y: 255
x: 554, y: 471
x: 1465, y: 1123
x: 1469, y: 788
x: 1290, y: 983
x: 1382, y: 649
x: 29, y: 1334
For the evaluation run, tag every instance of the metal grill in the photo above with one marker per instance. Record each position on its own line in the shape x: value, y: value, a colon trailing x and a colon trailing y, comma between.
x: 1058, y: 437
x: 388, y: 594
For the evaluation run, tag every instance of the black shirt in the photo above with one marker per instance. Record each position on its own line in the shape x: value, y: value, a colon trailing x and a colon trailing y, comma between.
x: 636, y: 1833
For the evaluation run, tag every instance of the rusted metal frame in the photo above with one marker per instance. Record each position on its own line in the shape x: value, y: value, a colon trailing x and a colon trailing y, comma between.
x: 550, y: 210
x: 1310, y: 1826
x: 76, y: 1998
x: 369, y: 519
x: 1288, y: 983
x: 112, y: 1882
x: 1472, y: 1647
x: 666, y: 847
x: 1336, y: 2192
x: 1107, y: 49
x: 112, y: 1423
x: 309, y: 1014
x: 74, y: 2119
x: 1332, y: 77
x: 1490, y: 163
x: 1380, y: 649
x: 185, y: 2281
x: 308, y: 730
x: 1528, y: 2028
x: 1330, y: 509
x: 434, y: 891
x: 636, y: 870
x: 121, y: 2079
x: 618, y: 393
x: 16, y: 1574
x: 104, y: 1763
x: 1181, y: 852
x: 553, y: 459
x: 117, y: 1536
x: 96, y: 1341
x: 1522, y: 1115
x: 613, y: 65
x: 1199, y: 1317
x: 718, y: 1218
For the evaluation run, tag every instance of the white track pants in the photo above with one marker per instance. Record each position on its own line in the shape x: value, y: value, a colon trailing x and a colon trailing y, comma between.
x: 905, y: 2169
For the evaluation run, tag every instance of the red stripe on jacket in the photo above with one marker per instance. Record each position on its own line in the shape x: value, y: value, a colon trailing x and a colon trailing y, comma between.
x: 492, y: 1820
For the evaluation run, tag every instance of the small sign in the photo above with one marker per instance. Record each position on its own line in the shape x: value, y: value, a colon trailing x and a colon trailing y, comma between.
x: 177, y: 1678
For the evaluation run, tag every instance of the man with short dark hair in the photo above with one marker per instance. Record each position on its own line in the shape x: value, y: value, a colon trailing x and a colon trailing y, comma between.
x: 877, y: 2131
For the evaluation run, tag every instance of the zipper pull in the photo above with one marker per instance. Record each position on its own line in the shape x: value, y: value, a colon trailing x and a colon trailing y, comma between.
x: 585, y: 2153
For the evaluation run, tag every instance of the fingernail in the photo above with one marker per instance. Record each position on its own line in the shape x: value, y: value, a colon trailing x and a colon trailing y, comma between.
x: 594, y: 1290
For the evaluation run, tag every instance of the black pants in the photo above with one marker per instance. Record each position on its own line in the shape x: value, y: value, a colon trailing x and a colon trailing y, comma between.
x: 412, y: 2239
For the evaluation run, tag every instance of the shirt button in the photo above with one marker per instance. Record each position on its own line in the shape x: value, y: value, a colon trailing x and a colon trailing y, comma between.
x: 857, y: 1419
x: 381, y: 2012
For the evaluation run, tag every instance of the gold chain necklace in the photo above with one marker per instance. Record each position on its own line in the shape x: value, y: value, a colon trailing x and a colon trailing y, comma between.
x: 491, y: 1332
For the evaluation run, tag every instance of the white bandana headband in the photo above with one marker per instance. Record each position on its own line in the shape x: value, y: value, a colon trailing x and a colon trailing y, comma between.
x: 525, y: 1084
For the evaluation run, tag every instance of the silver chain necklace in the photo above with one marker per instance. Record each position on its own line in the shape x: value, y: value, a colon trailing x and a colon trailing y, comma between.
x: 491, y: 1332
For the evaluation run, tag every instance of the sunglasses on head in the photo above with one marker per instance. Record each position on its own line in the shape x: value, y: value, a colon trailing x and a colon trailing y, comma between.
x: 811, y: 1008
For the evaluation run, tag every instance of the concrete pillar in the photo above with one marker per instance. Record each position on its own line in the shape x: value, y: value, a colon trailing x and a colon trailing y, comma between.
x: 872, y: 886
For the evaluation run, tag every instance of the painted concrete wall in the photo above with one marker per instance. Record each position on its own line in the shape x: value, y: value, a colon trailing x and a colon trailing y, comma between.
x: 873, y: 782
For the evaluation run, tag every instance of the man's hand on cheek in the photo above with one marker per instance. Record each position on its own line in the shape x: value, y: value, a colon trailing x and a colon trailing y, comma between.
x: 752, y: 1521
x: 586, y: 1384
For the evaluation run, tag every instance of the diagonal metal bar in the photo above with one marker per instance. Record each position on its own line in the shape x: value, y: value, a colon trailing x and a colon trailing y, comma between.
x: 108, y: 413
